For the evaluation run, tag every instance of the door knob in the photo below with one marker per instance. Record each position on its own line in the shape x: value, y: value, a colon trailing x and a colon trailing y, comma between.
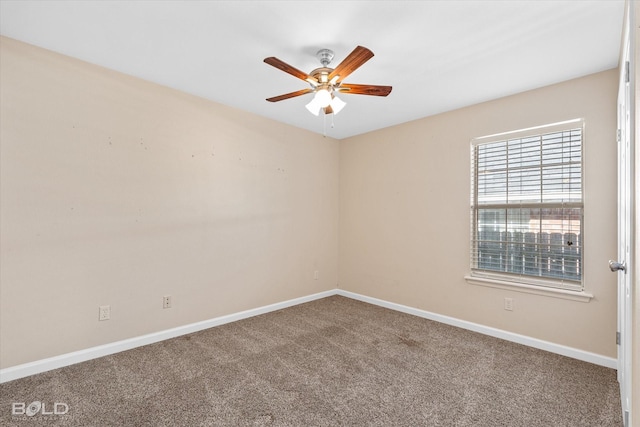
x: 617, y: 266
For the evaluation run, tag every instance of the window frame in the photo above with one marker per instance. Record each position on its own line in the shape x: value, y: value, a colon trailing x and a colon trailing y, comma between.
x: 529, y: 283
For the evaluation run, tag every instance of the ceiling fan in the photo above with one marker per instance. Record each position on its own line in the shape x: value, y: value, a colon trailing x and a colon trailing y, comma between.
x: 327, y: 82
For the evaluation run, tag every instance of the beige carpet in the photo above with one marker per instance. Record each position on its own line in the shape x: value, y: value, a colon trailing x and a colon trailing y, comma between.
x: 331, y: 362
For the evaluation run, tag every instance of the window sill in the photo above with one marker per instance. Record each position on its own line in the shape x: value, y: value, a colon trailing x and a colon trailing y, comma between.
x: 530, y: 289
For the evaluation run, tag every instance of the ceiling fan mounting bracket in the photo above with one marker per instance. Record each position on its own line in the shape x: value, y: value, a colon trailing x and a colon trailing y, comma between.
x: 325, y: 56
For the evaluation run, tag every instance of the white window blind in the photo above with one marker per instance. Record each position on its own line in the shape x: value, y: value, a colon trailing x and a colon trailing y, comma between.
x: 527, y: 208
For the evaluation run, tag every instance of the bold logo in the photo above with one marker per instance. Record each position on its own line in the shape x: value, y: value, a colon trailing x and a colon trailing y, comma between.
x: 35, y: 407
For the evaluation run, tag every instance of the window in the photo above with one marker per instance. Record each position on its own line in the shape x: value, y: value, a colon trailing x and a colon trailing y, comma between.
x: 527, y: 208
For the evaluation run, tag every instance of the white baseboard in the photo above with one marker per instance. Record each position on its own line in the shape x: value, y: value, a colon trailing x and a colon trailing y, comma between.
x: 39, y: 366
x: 32, y: 368
x: 585, y: 356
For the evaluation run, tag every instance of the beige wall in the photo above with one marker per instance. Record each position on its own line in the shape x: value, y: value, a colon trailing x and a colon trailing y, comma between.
x: 118, y: 191
x: 405, y: 220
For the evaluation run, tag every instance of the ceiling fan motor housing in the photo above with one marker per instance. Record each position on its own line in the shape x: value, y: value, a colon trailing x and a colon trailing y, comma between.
x: 321, y: 74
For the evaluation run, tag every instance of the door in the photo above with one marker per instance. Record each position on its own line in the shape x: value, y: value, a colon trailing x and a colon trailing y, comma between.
x: 624, y: 265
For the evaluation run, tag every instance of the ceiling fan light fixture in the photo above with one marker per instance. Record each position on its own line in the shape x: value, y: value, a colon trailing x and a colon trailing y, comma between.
x: 322, y: 97
x: 337, y: 104
x: 313, y: 107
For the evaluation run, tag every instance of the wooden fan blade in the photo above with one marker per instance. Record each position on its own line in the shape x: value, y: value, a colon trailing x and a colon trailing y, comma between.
x: 289, y: 95
x: 281, y: 65
x: 359, y: 56
x: 365, y: 89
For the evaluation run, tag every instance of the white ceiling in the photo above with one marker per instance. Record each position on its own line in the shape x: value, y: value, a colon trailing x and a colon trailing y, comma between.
x: 437, y: 55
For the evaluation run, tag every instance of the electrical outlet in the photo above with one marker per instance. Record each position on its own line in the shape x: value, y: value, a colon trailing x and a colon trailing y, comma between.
x: 166, y: 301
x: 104, y: 312
x: 315, y: 275
x: 508, y: 304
